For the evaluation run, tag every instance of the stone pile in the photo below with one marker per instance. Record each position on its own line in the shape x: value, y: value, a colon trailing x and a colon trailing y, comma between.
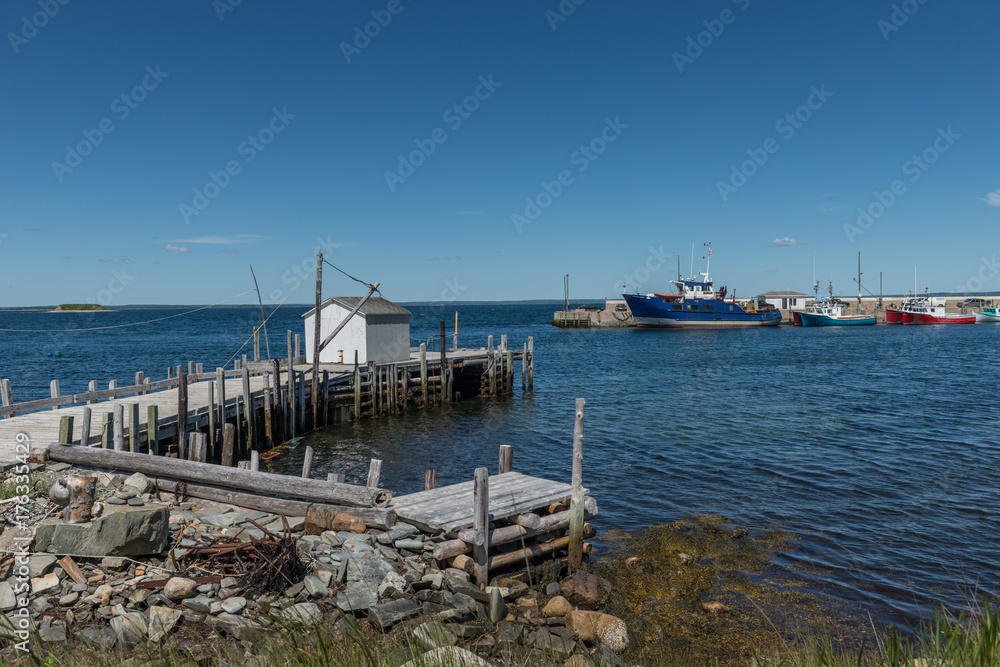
x: 387, y: 578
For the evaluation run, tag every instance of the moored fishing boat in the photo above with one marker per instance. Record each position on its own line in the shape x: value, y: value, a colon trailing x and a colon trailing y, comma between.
x: 697, y: 304
x: 931, y: 310
x: 987, y: 315
x: 828, y: 312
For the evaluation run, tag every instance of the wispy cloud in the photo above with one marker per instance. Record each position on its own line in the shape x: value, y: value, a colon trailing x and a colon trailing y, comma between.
x: 176, y: 248
x: 221, y: 240
x: 993, y: 198
x: 785, y: 241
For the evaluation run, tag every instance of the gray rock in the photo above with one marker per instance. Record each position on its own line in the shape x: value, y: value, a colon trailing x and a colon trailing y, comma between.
x: 437, y: 580
x: 234, y: 605
x: 552, y: 589
x: 129, y: 628
x: 498, y: 609
x: 314, y: 587
x: 115, y: 500
x: 306, y: 613
x: 433, y: 634
x: 138, y: 483
x: 40, y: 564
x: 136, y: 502
x: 398, y: 532
x: 201, y: 604
x: 460, y: 585
x: 468, y: 607
x: 162, y: 621
x: 8, y: 600
x: 112, y: 563
x: 135, y: 532
x: 371, y: 570
x: 179, y: 588
x: 54, y: 466
x: 219, y: 520
x: 409, y: 545
x: 215, y: 509
x: 243, y: 517
x: 53, y: 633
x: 41, y: 605
x: 449, y: 656
x: 388, y: 614
x: 554, y: 645
x: 357, y: 596
x: 99, y: 637
x: 393, y: 585
x: 69, y: 599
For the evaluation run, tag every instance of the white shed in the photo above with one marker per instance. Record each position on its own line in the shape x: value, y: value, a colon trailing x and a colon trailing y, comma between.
x: 785, y: 300
x: 379, y: 332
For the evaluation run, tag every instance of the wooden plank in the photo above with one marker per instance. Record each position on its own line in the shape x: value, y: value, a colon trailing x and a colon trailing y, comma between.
x: 248, y: 409
x: 211, y: 416
x: 374, y: 472
x: 576, y: 500
x: 291, y: 389
x: 357, y: 388
x: 182, y: 408
x: 228, y: 436
x: 531, y: 363
x: 261, y: 482
x: 430, y: 479
x: 423, y: 375
x: 480, y: 516
x: 444, y: 366
x: 54, y: 390
x: 133, y: 427
x: 107, y: 419
x: 6, y: 397
x: 317, y: 321
x: 506, y: 484
x: 502, y: 560
x: 66, y: 429
x: 308, y: 460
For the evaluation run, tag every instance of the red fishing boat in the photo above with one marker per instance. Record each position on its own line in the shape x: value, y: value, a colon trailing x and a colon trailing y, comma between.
x: 931, y: 310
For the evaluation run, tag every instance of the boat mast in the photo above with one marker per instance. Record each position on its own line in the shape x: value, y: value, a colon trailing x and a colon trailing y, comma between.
x: 815, y: 282
x: 708, y: 262
x: 859, y: 280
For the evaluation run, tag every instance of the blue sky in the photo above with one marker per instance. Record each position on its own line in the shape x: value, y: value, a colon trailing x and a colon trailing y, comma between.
x: 479, y: 151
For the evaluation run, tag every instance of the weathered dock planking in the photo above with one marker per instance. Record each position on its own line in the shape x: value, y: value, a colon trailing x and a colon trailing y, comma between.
x: 265, y: 402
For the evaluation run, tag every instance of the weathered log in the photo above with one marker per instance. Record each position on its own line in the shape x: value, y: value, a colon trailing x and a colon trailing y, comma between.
x: 502, y: 560
x: 502, y: 535
x: 374, y: 517
x: 262, y: 482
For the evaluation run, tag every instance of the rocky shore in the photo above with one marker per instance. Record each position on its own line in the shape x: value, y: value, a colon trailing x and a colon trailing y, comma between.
x: 157, y: 568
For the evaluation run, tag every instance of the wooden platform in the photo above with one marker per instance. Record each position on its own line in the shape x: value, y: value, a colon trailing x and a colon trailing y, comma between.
x: 450, y: 508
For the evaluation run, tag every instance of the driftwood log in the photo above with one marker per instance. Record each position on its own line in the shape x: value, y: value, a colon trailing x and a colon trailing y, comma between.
x: 193, y: 471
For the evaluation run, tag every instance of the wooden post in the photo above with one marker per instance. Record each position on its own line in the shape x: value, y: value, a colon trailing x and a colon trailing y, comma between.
x: 119, y: 423
x: 307, y: 463
x: 85, y: 428
x: 316, y: 324
x: 248, y: 408
x: 454, y: 336
x: 576, y: 499
x: 297, y: 338
x: 138, y: 382
x: 423, y: 375
x: 268, y: 439
x: 406, y: 387
x: 254, y: 461
x: 170, y: 372
x: 531, y: 363
x: 524, y: 368
x: 192, y: 446
x: 324, y: 392
x: 490, y: 365
x: 113, y: 384
x: 374, y: 472
x: 6, y: 397
x: 228, y: 436
x: 190, y: 368
x: 430, y: 478
x: 256, y: 344
x: 201, y: 447
x: 481, y: 524
x: 301, y: 410
x: 291, y: 389
x: 357, y: 388
x: 277, y: 423
x: 54, y: 391
x: 153, y: 429
x: 211, y: 415
x: 199, y: 368
x: 220, y: 384
x: 444, y: 360
x: 92, y: 387
x: 182, y: 408
x: 506, y: 458
x: 133, y: 427
x: 106, y: 424
x: 66, y: 429
x: 510, y: 372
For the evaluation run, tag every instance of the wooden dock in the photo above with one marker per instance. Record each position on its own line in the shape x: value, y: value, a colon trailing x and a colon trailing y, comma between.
x: 262, y: 403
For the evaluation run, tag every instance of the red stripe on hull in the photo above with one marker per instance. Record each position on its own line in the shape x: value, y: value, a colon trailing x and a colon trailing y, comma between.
x: 922, y: 318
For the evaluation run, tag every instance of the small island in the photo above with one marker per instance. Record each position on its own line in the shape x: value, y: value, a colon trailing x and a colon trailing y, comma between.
x: 75, y: 307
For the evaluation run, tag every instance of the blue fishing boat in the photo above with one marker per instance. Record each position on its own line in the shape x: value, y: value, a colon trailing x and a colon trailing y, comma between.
x: 697, y: 304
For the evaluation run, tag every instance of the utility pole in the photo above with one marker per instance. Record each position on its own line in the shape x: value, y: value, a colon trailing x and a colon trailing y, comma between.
x: 566, y: 292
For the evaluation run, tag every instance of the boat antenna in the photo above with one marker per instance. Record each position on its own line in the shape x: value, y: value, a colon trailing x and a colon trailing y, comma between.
x: 692, y: 260
x: 859, y: 280
x: 708, y: 261
x: 815, y: 282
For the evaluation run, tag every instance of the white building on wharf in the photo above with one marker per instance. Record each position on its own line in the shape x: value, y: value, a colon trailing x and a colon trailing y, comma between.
x: 379, y: 332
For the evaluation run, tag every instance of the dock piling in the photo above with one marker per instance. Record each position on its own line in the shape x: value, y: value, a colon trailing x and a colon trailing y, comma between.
x: 66, y: 429
x: 576, y: 499
x: 85, y: 428
x: 480, y: 516
x: 153, y: 429
x: 119, y: 424
x: 506, y: 458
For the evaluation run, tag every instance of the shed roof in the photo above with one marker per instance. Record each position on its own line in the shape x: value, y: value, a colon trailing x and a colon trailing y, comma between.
x: 783, y: 293
x: 374, y: 306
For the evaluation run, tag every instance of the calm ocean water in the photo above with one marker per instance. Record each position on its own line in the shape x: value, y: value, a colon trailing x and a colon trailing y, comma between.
x: 876, y: 446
